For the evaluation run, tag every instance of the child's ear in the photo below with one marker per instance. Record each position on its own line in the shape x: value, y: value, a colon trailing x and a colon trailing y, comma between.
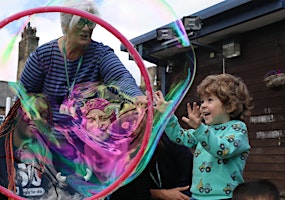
x: 230, y: 108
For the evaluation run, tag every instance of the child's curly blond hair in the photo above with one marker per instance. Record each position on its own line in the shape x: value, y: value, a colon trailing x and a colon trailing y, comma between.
x: 231, y: 91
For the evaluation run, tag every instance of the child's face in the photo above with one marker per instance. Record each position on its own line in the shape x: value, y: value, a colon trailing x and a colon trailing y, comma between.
x: 97, y: 120
x: 213, y: 110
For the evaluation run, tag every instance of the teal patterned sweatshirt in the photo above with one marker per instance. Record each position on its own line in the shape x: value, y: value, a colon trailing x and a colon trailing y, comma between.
x: 219, y: 158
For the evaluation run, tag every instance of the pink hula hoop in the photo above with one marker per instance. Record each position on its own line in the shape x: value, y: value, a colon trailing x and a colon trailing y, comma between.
x: 138, y: 61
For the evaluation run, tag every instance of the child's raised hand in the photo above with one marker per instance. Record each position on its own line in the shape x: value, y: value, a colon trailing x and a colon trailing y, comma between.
x: 160, y: 103
x: 194, y: 116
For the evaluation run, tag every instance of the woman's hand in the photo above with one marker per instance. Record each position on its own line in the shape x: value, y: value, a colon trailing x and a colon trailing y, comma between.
x: 141, y: 100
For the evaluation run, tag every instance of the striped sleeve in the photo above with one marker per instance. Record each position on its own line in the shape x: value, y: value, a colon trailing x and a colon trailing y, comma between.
x: 114, y: 72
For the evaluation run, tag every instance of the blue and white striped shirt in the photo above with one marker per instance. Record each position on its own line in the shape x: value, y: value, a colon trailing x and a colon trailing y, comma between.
x: 44, y: 71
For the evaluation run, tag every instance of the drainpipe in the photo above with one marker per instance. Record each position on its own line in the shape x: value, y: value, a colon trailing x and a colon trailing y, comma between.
x: 8, y: 105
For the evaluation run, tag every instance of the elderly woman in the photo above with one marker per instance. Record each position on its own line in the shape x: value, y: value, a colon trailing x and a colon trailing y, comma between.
x: 55, y: 67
